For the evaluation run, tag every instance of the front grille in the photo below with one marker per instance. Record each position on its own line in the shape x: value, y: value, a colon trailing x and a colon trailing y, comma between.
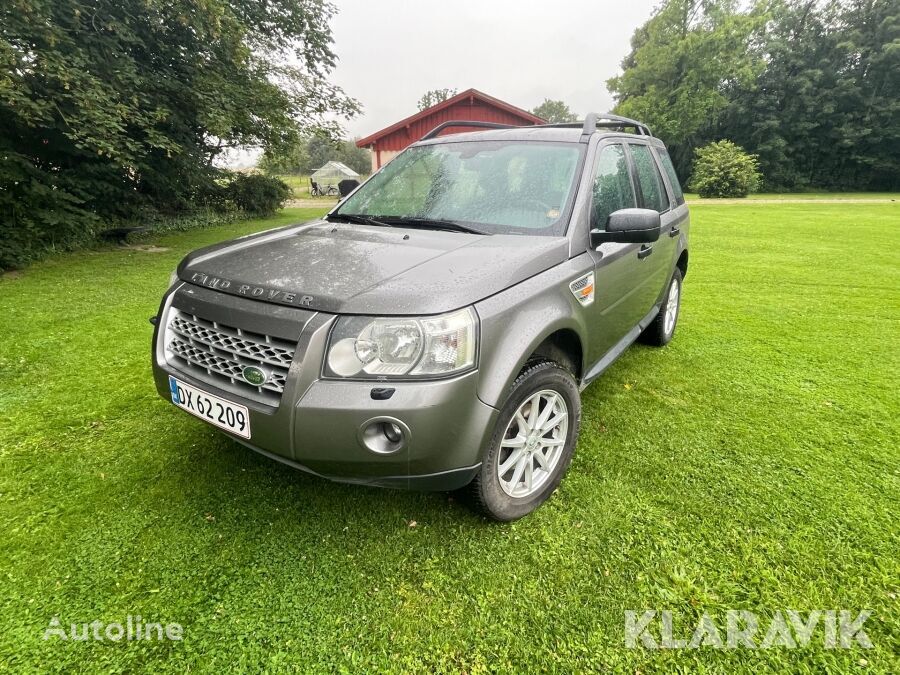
x: 218, y: 354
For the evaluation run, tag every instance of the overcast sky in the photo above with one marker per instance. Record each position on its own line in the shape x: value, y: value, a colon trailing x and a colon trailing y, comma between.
x: 391, y: 52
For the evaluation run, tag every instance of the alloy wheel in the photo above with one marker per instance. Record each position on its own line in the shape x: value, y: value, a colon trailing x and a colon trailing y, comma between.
x: 672, y: 306
x: 533, y: 443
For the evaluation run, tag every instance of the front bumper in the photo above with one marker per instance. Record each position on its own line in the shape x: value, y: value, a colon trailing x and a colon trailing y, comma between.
x: 319, y: 425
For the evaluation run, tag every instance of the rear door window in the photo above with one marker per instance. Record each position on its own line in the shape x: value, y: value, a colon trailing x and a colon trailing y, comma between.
x: 612, y: 184
x: 667, y: 166
x: 649, y: 178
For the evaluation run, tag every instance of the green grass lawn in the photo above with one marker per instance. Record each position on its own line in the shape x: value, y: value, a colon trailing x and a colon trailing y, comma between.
x: 793, y: 196
x: 752, y: 464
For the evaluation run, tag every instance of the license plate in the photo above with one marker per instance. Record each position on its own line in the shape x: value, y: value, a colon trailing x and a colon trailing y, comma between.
x: 217, y: 411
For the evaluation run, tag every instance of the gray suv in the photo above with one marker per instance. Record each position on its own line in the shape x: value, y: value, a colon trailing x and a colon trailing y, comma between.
x: 435, y: 329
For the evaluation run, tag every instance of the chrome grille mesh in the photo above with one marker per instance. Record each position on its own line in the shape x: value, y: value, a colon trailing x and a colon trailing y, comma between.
x: 233, y: 341
x: 218, y: 354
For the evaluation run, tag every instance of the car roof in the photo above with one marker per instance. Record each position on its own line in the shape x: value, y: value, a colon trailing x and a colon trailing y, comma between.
x: 535, y: 133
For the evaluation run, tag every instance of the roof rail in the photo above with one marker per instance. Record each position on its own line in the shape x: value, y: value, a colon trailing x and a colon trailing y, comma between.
x: 594, y: 120
x: 464, y: 123
x: 606, y: 120
x: 591, y: 123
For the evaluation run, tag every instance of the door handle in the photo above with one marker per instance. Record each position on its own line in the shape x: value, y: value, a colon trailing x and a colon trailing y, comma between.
x: 645, y: 251
x: 674, y: 232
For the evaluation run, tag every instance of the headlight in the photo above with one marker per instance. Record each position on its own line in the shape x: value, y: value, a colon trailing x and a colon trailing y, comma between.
x: 372, y: 348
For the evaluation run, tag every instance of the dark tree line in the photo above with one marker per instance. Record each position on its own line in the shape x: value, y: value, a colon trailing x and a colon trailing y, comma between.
x: 812, y: 87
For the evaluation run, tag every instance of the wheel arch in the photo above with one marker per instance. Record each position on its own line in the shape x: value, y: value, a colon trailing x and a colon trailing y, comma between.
x: 564, y: 347
x: 562, y: 337
x: 538, y: 316
x: 682, y: 263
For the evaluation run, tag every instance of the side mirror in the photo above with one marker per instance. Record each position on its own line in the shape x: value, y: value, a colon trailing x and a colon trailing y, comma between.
x: 628, y: 226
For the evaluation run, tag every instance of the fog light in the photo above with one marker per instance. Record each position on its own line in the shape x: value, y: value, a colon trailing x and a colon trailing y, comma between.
x: 383, y: 435
x: 393, y: 433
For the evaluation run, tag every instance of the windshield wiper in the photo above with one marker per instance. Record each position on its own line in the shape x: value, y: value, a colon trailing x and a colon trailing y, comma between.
x: 357, y: 218
x: 431, y: 224
x: 404, y: 221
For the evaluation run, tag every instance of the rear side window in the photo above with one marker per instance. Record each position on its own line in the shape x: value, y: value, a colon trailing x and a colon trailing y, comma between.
x: 670, y: 172
x: 612, y: 185
x: 652, y: 186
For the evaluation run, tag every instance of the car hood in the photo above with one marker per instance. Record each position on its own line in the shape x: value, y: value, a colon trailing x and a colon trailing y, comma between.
x: 360, y: 269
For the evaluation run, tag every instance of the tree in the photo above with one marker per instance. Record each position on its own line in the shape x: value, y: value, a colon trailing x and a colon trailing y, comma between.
x: 290, y: 159
x: 319, y: 151
x: 682, y: 64
x: 308, y: 154
x: 108, y: 107
x: 435, y: 96
x: 723, y: 169
x: 258, y: 194
x: 555, y: 112
x: 810, y: 86
x: 825, y: 112
x: 358, y: 159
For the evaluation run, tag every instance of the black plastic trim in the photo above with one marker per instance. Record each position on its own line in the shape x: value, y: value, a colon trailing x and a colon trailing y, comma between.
x: 443, y: 481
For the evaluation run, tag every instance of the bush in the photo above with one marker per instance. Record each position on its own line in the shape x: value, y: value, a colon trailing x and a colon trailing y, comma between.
x: 198, y: 219
x: 39, y: 212
x: 258, y: 194
x: 723, y: 169
x: 44, y: 211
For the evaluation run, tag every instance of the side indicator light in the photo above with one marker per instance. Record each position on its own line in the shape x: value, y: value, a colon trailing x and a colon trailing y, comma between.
x: 583, y: 289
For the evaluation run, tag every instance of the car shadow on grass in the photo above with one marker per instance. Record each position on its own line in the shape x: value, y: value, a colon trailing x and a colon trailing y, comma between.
x: 218, y: 474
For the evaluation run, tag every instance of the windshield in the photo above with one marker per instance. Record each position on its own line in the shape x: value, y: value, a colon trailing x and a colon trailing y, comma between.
x: 495, y: 187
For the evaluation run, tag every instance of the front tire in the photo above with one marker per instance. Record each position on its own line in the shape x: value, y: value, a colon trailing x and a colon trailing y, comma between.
x: 659, y: 333
x: 532, y: 445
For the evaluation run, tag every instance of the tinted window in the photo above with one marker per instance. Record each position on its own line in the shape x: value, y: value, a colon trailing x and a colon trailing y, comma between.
x: 651, y: 182
x: 612, y: 185
x: 499, y: 187
x: 670, y: 172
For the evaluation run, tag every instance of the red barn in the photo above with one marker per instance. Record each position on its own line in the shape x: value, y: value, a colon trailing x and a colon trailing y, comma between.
x: 470, y: 105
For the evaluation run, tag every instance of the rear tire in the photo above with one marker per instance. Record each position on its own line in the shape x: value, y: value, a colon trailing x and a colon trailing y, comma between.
x: 659, y: 333
x: 532, y: 444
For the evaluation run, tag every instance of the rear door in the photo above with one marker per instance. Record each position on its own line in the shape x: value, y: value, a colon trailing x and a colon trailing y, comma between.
x: 677, y: 219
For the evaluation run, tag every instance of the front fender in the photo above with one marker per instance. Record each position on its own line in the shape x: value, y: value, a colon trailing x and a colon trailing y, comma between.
x: 516, y: 321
